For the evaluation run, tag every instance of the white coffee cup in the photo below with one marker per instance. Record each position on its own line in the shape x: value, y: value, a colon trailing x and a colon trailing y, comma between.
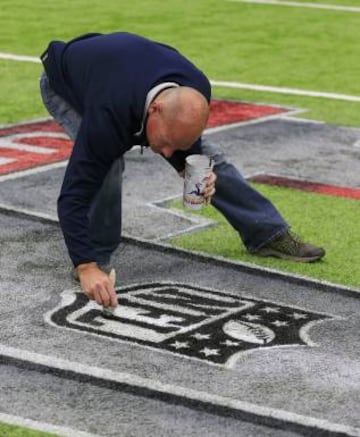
x: 197, y: 169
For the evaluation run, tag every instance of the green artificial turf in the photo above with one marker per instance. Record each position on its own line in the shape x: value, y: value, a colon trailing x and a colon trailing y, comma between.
x: 342, y: 3
x: 331, y: 222
x: 20, y: 96
x: 303, y: 48
x: 18, y: 431
x: 19, y: 83
x: 333, y: 2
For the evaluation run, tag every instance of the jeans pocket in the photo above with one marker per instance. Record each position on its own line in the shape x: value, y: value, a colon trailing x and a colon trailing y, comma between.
x: 59, y: 108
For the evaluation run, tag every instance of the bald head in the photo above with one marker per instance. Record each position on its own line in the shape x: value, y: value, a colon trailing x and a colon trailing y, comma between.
x: 178, y: 115
x: 185, y: 106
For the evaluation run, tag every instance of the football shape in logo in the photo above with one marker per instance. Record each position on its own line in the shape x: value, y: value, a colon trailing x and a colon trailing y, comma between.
x: 249, y: 332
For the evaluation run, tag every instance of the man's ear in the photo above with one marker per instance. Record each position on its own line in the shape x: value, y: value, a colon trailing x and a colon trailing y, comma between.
x: 154, y: 107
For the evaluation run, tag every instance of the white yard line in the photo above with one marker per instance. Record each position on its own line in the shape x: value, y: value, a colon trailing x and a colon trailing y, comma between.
x: 246, y: 86
x: 179, y: 391
x: 42, y: 426
x: 301, y: 5
x: 284, y: 90
x: 12, y: 57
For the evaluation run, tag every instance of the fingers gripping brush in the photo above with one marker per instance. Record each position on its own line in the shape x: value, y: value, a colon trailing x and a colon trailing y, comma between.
x: 109, y: 311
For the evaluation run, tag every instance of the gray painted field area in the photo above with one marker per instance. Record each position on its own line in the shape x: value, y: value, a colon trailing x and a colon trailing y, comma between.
x: 198, y: 345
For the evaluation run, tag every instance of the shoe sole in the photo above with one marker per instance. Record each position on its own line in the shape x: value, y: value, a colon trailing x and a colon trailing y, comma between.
x: 274, y: 253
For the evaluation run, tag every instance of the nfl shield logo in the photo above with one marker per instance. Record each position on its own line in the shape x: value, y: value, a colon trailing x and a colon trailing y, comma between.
x: 198, y: 323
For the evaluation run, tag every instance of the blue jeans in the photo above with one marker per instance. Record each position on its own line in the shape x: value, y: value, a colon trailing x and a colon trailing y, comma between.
x: 252, y: 215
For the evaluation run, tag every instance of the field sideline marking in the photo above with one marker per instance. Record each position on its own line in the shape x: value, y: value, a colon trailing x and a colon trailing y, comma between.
x: 269, y: 416
x: 11, y: 57
x: 284, y: 90
x: 301, y: 5
x: 319, y: 283
x: 42, y: 426
x: 225, y: 84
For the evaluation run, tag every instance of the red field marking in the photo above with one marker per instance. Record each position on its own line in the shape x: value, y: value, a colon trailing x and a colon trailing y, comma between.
x: 43, y: 126
x: 221, y: 113
x: 24, y: 160
x: 331, y: 190
x: 226, y: 112
x: 42, y: 148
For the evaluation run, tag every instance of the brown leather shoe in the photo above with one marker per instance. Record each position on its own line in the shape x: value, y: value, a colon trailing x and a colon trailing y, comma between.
x: 289, y: 246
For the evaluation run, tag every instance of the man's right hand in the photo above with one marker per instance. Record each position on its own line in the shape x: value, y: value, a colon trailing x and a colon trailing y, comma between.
x: 97, y: 285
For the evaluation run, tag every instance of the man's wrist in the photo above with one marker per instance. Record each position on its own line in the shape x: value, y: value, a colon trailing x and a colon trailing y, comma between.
x: 86, y: 266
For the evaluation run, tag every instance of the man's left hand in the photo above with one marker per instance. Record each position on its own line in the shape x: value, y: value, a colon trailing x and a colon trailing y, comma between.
x: 210, y: 187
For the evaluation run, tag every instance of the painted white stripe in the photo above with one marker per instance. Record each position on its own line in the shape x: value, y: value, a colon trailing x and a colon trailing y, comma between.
x: 356, y: 291
x: 254, y: 266
x: 27, y: 148
x: 302, y: 5
x: 184, y: 392
x: 32, y: 171
x: 9, y: 142
x: 28, y: 212
x: 216, y: 129
x: 25, y: 123
x: 12, y: 57
x: 282, y: 90
x: 44, y: 427
x: 36, y: 134
x: 246, y: 86
x: 291, y: 119
x: 4, y: 161
x: 196, y: 222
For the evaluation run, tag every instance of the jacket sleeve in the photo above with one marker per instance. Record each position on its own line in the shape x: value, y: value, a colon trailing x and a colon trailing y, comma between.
x: 97, y: 146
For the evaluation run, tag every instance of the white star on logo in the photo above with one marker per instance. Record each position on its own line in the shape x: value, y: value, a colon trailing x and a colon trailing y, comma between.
x: 251, y: 317
x: 208, y: 352
x: 298, y: 316
x: 270, y: 310
x: 180, y: 344
x: 279, y: 323
x: 199, y: 336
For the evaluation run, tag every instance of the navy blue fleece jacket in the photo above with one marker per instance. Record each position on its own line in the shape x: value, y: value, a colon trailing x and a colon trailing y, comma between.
x: 106, y: 78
